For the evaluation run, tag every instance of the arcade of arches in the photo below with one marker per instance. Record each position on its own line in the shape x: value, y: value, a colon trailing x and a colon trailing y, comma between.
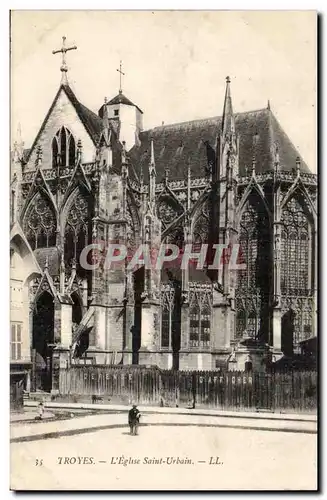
x: 183, y: 184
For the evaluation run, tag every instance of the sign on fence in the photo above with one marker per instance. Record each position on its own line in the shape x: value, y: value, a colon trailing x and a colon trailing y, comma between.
x: 295, y: 391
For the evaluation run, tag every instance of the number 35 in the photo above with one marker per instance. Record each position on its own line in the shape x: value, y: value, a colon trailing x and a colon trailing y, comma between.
x: 39, y: 461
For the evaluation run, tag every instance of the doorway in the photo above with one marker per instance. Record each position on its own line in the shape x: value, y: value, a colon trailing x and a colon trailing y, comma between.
x: 138, y: 278
x: 288, y: 333
x: 43, y: 339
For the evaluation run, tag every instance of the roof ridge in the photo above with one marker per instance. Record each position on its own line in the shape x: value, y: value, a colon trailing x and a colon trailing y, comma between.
x: 210, y: 118
x: 68, y: 87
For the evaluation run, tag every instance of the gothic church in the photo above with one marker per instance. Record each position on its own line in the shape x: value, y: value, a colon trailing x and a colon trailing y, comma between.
x: 90, y: 177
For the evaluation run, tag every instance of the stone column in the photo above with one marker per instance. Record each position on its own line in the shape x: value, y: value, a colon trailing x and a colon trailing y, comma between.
x: 277, y: 243
x: 276, y: 326
x: 63, y: 323
x: 128, y: 319
x: 28, y: 381
x: 277, y: 329
x: 315, y: 281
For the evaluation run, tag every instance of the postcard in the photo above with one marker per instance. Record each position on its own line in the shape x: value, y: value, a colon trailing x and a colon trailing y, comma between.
x: 163, y: 251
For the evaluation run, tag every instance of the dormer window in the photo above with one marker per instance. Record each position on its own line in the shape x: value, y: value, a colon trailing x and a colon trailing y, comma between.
x: 116, y: 112
x: 63, y: 148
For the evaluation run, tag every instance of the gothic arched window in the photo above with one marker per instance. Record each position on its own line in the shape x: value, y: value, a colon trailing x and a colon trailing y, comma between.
x: 77, y: 229
x: 295, y: 251
x: 296, y: 264
x: 133, y: 227
x: 167, y: 305
x: 63, y: 148
x: 253, y: 282
x: 200, y: 318
x: 168, y: 210
x: 200, y: 233
x: 205, y: 321
x: 39, y: 223
x: 194, y: 321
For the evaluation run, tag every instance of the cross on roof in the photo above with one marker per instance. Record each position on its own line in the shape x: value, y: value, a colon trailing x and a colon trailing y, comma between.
x: 120, y: 75
x: 63, y: 50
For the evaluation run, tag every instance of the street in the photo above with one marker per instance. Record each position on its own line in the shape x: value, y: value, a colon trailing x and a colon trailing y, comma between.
x: 170, y: 452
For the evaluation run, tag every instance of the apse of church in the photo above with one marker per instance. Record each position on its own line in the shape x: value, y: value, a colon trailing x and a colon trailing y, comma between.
x: 91, y: 179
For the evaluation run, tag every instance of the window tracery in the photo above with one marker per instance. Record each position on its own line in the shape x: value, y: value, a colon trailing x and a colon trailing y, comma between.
x: 295, y: 248
x: 77, y: 229
x: 40, y: 223
x: 296, y: 263
x: 253, y: 282
x: 168, y: 210
x: 167, y: 308
x: 201, y: 227
x: 200, y: 318
x: 63, y: 148
x: 132, y: 226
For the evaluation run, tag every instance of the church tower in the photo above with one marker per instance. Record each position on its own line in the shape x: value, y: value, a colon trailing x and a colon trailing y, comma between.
x: 127, y: 117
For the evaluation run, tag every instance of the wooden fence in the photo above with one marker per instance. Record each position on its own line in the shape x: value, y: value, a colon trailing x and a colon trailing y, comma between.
x: 291, y: 391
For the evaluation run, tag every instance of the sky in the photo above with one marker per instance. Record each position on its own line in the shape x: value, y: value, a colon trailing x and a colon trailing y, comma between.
x: 175, y: 65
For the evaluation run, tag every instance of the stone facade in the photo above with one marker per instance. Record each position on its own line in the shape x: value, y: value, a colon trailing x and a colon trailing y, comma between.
x: 234, y: 180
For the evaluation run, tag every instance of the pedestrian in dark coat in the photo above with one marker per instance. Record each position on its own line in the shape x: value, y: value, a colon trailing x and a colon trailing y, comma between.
x: 134, y: 419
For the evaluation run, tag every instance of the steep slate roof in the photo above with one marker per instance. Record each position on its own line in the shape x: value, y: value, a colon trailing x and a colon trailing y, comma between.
x: 119, y: 99
x: 91, y: 121
x: 180, y: 144
x: 122, y: 99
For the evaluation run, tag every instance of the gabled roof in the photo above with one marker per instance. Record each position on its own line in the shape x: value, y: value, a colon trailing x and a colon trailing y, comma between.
x: 90, y: 120
x: 179, y: 145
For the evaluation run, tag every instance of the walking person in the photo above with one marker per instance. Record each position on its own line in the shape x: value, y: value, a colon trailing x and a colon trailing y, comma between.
x: 40, y: 411
x: 134, y: 420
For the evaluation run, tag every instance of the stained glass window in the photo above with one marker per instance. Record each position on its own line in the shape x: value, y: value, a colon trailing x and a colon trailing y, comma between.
x: 200, y: 318
x: 201, y: 228
x: 253, y: 282
x: 77, y: 230
x: 168, y: 210
x: 40, y: 223
x: 167, y: 310
x: 165, y: 321
x: 295, y: 250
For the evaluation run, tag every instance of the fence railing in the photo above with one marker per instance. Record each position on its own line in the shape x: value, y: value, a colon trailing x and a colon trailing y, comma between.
x: 292, y: 391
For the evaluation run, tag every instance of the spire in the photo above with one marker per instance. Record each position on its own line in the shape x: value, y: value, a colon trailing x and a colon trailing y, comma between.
x: 18, y: 145
x: 19, y: 134
x: 276, y: 155
x: 105, y: 115
x: 62, y: 274
x: 152, y: 160
x: 188, y: 185
x: 124, y: 162
x: 228, y: 122
x: 123, y: 153
x: 298, y: 166
x: 268, y: 105
x: 253, y: 166
x: 141, y: 178
x: 38, y: 161
x: 79, y: 151
x: 152, y: 176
